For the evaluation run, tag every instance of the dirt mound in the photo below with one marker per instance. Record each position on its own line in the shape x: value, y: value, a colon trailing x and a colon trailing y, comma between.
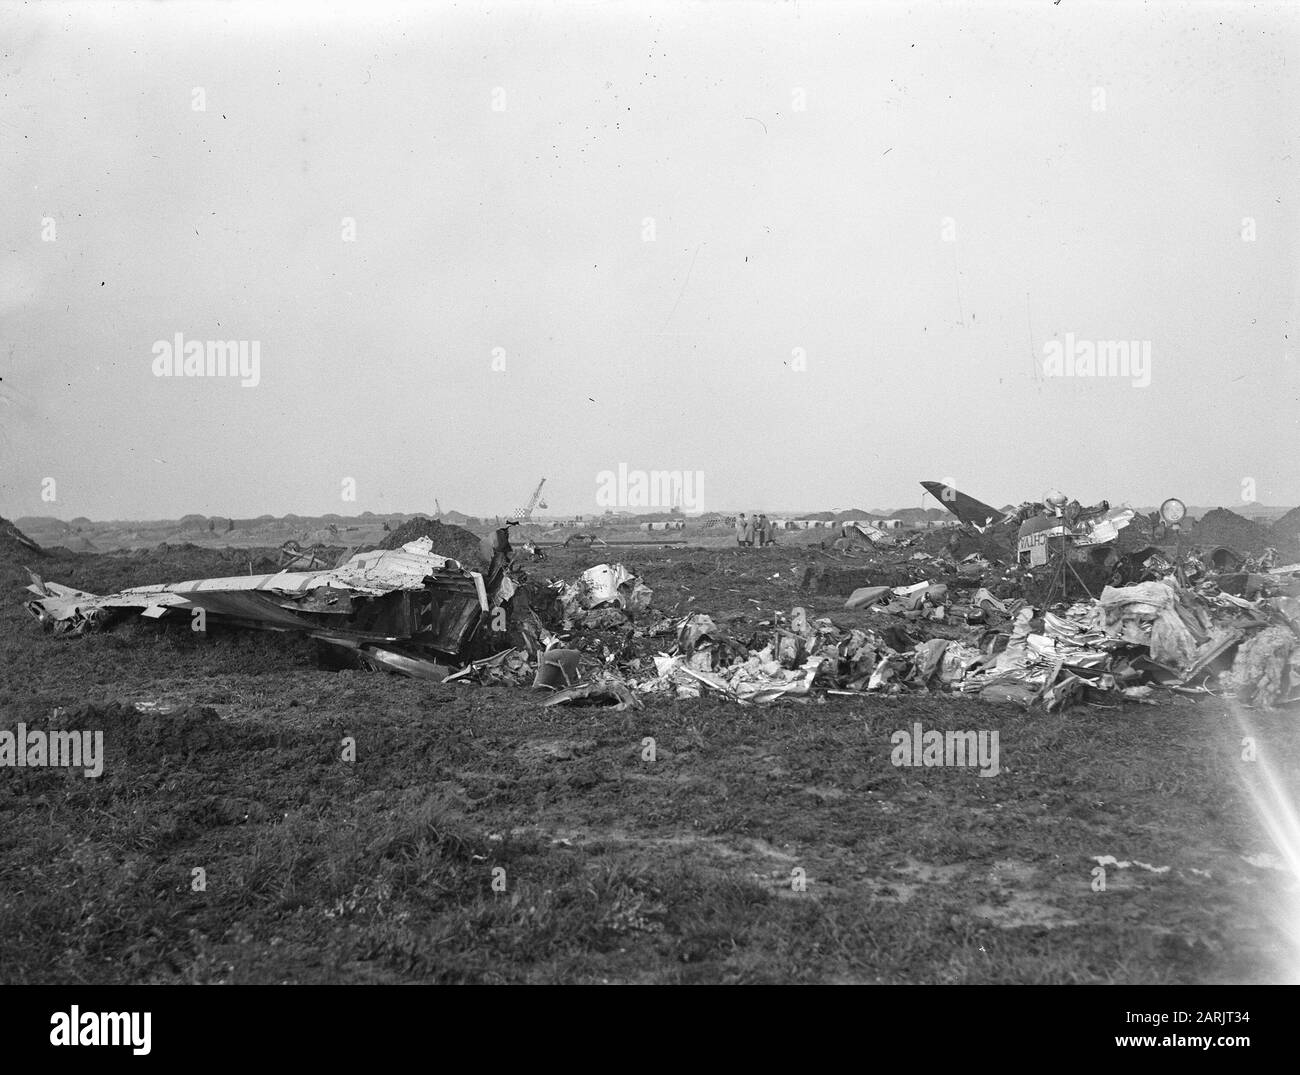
x: 453, y: 541
x: 1288, y: 522
x: 1286, y: 530
x: 1224, y: 527
x: 15, y: 546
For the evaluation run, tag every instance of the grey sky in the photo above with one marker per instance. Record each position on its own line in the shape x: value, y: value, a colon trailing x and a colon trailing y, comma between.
x: 774, y: 229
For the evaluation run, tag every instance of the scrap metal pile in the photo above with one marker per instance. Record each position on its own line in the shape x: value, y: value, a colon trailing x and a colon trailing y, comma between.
x: 612, y: 648
x: 1130, y: 644
x: 925, y: 622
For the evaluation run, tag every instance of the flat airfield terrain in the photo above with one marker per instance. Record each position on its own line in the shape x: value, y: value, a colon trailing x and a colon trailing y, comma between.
x: 480, y: 837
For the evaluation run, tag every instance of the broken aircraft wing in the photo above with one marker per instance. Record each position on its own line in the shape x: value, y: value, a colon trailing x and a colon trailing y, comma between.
x: 408, y: 595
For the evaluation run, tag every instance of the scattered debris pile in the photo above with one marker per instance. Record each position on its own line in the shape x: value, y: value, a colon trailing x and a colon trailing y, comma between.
x: 1125, y: 645
x: 963, y: 612
x: 611, y: 648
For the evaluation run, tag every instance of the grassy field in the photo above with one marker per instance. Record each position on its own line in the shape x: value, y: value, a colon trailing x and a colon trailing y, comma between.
x: 479, y: 837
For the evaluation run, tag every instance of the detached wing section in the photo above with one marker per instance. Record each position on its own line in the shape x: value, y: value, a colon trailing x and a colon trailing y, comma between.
x: 408, y: 595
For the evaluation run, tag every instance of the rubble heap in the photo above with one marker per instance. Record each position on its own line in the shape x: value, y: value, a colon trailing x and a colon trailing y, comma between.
x: 959, y: 613
x: 949, y: 633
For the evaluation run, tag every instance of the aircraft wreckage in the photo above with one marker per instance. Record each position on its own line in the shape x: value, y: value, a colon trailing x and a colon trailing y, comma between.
x: 401, y: 608
x: 1181, y: 625
x: 1037, y: 524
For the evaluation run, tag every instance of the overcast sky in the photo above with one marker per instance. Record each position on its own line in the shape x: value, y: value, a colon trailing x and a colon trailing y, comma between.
x: 814, y: 251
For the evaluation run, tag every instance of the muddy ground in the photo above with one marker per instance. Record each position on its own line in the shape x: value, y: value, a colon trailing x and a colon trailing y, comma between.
x: 610, y: 867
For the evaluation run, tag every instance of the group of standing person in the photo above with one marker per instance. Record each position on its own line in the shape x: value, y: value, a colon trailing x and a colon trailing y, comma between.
x: 754, y: 528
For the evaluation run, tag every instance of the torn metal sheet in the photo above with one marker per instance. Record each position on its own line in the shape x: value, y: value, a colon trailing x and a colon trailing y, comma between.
x: 607, y: 584
x: 873, y: 534
x: 1103, y: 528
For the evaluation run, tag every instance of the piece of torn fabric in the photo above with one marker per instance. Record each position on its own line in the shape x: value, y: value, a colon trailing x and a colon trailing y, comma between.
x: 1261, y: 674
x: 1146, y: 614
